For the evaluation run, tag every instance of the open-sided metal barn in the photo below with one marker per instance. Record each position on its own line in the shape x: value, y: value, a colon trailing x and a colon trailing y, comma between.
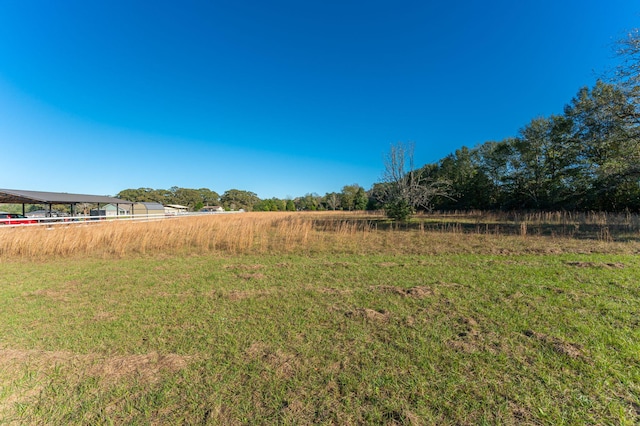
x: 15, y: 196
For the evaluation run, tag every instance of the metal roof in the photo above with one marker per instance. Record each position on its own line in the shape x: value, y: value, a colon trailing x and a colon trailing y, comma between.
x: 151, y: 205
x: 14, y: 196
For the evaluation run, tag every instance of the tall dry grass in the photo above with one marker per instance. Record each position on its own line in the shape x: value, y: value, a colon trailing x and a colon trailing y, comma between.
x: 241, y: 233
x: 279, y: 232
x: 628, y: 219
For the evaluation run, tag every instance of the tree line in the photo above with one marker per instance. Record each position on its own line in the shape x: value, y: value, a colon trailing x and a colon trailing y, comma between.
x: 587, y: 158
x: 352, y: 197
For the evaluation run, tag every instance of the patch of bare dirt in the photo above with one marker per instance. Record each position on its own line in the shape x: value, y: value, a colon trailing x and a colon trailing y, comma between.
x: 327, y: 290
x: 295, y: 410
x: 147, y: 368
x: 463, y: 346
x: 247, y: 272
x: 220, y: 415
x: 244, y: 267
x: 418, y: 292
x: 144, y: 366
x: 572, y: 350
x: 340, y: 264
x: 282, y: 363
x: 468, y: 337
x: 55, y: 295
x: 35, y: 358
x: 104, y: 316
x: 404, y: 417
x: 246, y: 294
x: 521, y: 414
x: 181, y: 295
x: 388, y: 264
x: 252, y: 276
x: 17, y: 396
x: 471, y: 338
x: 369, y: 314
x: 448, y: 285
x: 607, y: 265
x: 58, y: 294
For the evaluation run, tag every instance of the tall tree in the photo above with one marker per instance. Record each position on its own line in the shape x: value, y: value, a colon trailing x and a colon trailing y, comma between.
x: 139, y: 195
x: 351, y: 197
x: 407, y: 188
x: 235, y: 199
x: 604, y: 125
x: 544, y: 164
x: 470, y: 187
x: 627, y: 75
x: 331, y: 200
x: 186, y: 197
x: 493, y: 162
x: 376, y: 195
x: 208, y: 197
x: 361, y: 199
x: 309, y: 202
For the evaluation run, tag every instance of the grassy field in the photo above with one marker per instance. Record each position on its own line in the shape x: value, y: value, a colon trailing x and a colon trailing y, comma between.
x: 277, y: 318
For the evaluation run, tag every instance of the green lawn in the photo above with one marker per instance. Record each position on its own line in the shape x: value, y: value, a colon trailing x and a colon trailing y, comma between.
x: 322, y: 339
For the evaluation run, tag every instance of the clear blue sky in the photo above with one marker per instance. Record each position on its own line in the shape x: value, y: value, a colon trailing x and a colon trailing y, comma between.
x: 279, y: 97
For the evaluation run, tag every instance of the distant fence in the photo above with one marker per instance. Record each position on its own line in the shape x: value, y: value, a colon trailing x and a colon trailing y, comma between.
x: 86, y: 219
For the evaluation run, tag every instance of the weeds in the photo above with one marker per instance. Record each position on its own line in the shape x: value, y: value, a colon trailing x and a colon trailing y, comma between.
x: 266, y: 233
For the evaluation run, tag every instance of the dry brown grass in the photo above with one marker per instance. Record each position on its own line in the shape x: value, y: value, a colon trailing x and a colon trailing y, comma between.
x: 144, y: 367
x: 232, y: 234
x: 39, y: 366
x: 632, y: 220
x: 278, y: 232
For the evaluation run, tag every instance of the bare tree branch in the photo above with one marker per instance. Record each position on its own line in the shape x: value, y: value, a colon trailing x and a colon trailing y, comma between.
x: 405, y: 187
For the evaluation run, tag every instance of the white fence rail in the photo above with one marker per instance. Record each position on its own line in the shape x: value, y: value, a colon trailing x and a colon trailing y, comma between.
x: 87, y: 219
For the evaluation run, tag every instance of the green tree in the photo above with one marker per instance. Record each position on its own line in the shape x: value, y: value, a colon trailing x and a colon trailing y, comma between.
x: 331, y: 200
x: 309, y: 202
x: 627, y: 75
x: 186, y: 197
x: 235, y: 199
x: 605, y: 127
x: 262, y: 206
x: 361, y: 199
x: 470, y: 187
x: 208, y: 197
x: 270, y: 205
x: 543, y: 164
x: 348, y: 196
x: 493, y: 162
x: 164, y: 196
x: 193, y: 198
x: 139, y: 195
x: 376, y: 195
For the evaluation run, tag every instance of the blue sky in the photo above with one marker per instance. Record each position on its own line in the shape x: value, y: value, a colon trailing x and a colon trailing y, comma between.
x: 282, y: 97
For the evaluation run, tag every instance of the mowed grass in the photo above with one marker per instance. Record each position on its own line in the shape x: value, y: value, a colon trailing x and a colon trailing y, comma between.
x: 306, y: 319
